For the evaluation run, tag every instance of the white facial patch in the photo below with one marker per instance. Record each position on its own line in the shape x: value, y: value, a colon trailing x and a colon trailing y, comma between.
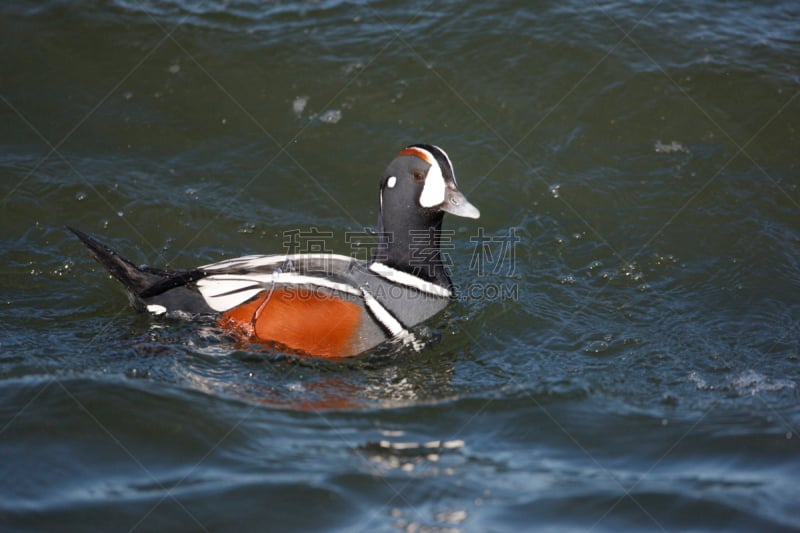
x: 391, y: 182
x: 434, y: 188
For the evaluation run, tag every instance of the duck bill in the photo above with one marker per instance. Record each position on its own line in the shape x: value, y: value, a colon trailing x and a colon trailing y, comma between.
x: 457, y: 204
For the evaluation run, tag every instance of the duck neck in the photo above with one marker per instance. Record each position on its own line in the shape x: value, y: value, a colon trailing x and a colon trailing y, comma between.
x: 413, y: 245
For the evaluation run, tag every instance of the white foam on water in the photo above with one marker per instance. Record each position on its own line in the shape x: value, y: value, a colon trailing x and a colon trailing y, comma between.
x: 299, y: 105
x: 669, y: 148
x: 751, y: 382
x: 331, y: 116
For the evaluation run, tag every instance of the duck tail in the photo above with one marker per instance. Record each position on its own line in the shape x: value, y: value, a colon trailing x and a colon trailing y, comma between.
x: 136, y: 280
x: 167, y: 289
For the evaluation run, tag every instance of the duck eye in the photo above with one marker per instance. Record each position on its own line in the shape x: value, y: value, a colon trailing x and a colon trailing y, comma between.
x: 419, y: 176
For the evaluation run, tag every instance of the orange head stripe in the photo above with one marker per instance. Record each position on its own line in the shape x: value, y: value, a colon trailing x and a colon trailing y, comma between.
x: 422, y: 154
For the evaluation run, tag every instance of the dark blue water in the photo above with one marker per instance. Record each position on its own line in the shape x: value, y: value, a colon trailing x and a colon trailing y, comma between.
x: 631, y: 363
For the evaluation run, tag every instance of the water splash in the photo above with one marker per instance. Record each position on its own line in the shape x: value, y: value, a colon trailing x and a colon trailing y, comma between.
x: 672, y: 147
x: 299, y: 105
x: 331, y: 116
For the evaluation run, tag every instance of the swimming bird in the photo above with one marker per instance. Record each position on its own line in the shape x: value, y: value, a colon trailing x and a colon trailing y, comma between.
x: 322, y: 304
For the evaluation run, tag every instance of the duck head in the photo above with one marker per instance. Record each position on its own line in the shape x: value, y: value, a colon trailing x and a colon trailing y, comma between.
x: 416, y: 190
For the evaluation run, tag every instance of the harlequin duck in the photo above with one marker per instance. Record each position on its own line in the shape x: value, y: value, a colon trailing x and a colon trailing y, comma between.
x: 321, y: 304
